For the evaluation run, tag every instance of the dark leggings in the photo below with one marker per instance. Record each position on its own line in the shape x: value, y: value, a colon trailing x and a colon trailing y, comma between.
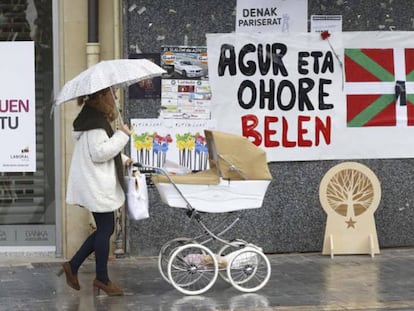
x: 97, y: 242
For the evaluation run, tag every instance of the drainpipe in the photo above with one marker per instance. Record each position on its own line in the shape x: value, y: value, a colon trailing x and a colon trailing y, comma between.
x: 92, y: 46
x: 120, y: 238
x: 117, y: 47
x: 117, y: 29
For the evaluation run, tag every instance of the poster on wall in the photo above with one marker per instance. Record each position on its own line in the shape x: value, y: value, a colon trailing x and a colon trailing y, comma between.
x: 331, y: 23
x: 148, y: 88
x: 272, y: 16
x: 182, y: 142
x: 185, y: 89
x: 17, y: 107
x: 316, y: 96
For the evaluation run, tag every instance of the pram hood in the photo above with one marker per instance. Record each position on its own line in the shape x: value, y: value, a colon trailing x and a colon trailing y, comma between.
x: 235, y: 157
x: 231, y: 157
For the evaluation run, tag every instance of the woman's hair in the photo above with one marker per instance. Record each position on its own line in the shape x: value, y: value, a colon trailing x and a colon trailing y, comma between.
x: 102, y: 101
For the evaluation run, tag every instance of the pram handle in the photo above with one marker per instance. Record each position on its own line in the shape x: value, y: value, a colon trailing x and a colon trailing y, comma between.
x: 157, y: 169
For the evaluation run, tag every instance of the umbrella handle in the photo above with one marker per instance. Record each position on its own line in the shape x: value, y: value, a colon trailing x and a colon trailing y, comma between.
x: 120, y: 120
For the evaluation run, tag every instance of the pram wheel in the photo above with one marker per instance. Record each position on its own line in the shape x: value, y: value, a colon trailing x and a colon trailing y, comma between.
x: 248, y: 269
x: 192, y: 269
x: 165, y: 254
x: 225, y: 251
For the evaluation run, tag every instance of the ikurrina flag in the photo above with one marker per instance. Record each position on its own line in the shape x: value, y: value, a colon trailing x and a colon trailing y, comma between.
x: 379, y: 87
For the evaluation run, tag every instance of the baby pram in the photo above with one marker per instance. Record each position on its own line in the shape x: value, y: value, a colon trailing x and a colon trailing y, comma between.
x: 237, y: 179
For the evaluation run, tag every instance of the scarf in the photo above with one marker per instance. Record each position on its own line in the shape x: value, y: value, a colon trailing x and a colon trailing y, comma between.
x: 88, y: 119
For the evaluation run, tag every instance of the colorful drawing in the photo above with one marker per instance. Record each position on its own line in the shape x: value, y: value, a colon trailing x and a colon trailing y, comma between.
x: 144, y: 143
x: 201, y: 152
x: 160, y: 148
x: 192, y: 150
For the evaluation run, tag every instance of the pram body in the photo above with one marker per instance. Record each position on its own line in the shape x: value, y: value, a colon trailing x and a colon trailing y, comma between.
x: 224, y: 196
x: 237, y: 179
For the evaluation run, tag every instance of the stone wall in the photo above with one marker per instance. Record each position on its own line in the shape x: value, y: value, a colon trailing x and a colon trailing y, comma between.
x: 291, y: 219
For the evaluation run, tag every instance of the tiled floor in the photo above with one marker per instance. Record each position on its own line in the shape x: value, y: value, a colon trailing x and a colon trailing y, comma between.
x: 298, y: 282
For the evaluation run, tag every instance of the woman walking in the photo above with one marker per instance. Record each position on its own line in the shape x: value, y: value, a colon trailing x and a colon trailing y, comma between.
x: 95, y: 182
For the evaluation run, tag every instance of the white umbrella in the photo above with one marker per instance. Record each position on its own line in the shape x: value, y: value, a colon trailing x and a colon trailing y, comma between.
x: 115, y: 73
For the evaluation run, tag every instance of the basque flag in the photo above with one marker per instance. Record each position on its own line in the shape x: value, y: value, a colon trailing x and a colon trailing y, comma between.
x: 379, y: 87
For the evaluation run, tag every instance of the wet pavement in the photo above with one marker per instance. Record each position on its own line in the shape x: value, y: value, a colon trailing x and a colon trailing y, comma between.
x: 304, y: 282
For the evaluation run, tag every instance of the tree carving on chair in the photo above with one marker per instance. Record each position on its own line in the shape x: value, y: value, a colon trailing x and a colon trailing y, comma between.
x: 350, y: 193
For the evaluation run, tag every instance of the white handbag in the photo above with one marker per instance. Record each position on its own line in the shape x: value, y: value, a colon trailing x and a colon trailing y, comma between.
x: 136, y: 195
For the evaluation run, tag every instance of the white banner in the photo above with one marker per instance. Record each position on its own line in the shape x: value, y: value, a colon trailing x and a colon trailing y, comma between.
x: 306, y: 96
x: 272, y: 16
x: 17, y: 107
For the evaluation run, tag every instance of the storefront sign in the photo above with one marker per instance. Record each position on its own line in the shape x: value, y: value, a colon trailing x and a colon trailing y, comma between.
x: 17, y: 107
x: 27, y: 235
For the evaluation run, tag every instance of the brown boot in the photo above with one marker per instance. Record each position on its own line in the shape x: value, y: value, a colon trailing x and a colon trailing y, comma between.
x: 71, y: 278
x: 110, y: 289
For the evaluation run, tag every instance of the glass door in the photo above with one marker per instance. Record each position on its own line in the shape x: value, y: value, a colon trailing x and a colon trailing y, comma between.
x: 27, y: 199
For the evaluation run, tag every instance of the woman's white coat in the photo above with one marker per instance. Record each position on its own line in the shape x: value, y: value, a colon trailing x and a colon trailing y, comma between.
x: 92, y: 180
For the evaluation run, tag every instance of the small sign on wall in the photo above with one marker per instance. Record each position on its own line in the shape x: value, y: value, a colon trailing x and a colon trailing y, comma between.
x: 272, y: 16
x: 321, y: 23
x: 148, y: 88
x: 185, y: 88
